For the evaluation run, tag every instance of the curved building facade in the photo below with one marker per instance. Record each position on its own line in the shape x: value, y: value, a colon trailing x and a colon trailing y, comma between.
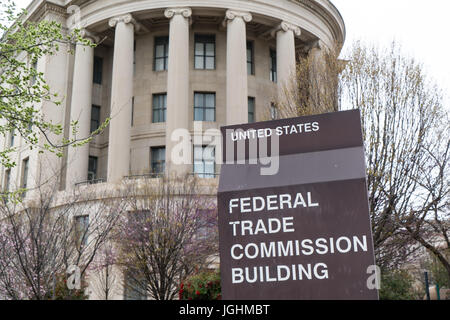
x: 164, y: 66
x: 164, y: 71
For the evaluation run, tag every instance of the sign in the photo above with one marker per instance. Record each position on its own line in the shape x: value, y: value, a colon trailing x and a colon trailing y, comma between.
x: 302, y: 231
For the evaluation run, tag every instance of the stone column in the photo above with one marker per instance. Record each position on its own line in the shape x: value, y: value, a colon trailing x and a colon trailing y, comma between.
x: 178, y: 102
x: 78, y: 157
x: 286, y: 63
x: 121, y: 98
x: 237, y: 87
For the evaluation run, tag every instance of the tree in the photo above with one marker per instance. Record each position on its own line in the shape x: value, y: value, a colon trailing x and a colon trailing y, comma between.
x: 170, y: 232
x: 314, y: 89
x: 22, y: 87
x: 40, y: 238
x: 103, y: 273
x: 405, y: 130
x: 397, y: 285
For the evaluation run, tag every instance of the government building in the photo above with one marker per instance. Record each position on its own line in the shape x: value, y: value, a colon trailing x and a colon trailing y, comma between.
x: 161, y: 68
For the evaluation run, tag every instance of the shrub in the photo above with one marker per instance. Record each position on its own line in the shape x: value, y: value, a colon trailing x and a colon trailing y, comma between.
x: 202, y: 286
x: 397, y: 285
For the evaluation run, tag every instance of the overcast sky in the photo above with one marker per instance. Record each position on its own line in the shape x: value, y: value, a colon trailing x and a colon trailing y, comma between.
x: 421, y: 27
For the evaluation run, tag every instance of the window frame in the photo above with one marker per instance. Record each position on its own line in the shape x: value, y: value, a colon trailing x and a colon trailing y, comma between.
x: 253, y: 111
x: 165, y: 56
x: 159, y: 163
x: 82, y: 234
x: 204, y: 39
x: 204, y: 107
x: 204, y: 174
x: 98, y: 70
x: 251, y: 59
x: 98, y: 121
x: 25, y: 172
x: 7, y: 180
x: 12, y: 136
x: 95, y: 171
x: 274, y: 112
x: 273, y: 65
x: 161, y: 110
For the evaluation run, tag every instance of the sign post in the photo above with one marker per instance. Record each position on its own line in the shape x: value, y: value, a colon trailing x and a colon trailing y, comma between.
x: 293, y: 210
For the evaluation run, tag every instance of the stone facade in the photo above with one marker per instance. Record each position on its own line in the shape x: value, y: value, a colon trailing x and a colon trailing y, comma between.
x: 127, y: 82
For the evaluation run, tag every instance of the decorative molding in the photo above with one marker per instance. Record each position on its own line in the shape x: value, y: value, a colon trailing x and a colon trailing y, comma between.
x: 330, y: 16
x: 126, y: 18
x: 171, y: 12
x: 90, y: 35
x: 286, y: 26
x: 232, y: 14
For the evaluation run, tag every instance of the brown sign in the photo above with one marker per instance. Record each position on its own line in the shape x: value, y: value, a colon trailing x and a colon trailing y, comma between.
x: 304, y: 232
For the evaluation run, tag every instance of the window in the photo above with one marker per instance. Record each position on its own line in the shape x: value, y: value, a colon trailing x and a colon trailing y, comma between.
x: 25, y: 163
x: 204, y: 106
x: 134, y: 287
x: 158, y: 159
x: 204, y: 161
x: 251, y: 109
x: 81, y: 229
x: 273, y: 111
x: 92, y: 168
x: 250, y: 58
x: 205, y: 52
x: 161, y: 53
x: 12, y: 135
x: 6, y: 186
x: 95, y: 118
x: 273, y: 65
x: 159, y: 107
x: 98, y: 70
x: 134, y: 57
x: 34, y: 76
x: 132, y: 111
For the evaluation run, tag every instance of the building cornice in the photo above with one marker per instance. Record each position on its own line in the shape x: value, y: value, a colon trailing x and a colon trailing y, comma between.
x: 329, y: 14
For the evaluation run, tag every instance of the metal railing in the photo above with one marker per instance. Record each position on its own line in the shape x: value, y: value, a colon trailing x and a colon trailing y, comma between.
x: 205, y: 175
x: 89, y: 182
x: 145, y: 176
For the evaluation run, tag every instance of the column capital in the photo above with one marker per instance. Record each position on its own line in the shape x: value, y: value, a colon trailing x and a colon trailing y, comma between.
x: 126, y: 18
x: 171, y: 12
x: 232, y: 14
x: 285, y: 27
x: 84, y: 33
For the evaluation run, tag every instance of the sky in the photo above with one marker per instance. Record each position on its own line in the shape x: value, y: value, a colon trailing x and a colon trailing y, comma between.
x: 421, y: 28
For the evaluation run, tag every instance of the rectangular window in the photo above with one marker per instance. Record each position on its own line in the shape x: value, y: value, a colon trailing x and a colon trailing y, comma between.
x: 204, y: 106
x: 158, y: 159
x: 132, y: 111
x: 98, y: 70
x: 92, y: 168
x: 134, y: 57
x: 204, y: 161
x: 25, y: 164
x: 159, y: 107
x: 273, y: 65
x: 12, y: 135
x: 273, y: 111
x: 161, y: 54
x: 250, y: 58
x: 251, y: 109
x: 34, y: 76
x: 7, y: 183
x: 81, y: 229
x: 95, y: 118
x: 205, y: 52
